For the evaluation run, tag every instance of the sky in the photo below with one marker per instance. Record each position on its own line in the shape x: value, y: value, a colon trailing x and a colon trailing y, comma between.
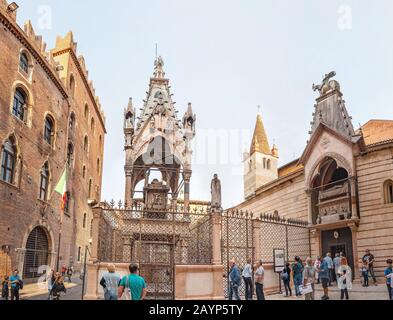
x: 227, y: 57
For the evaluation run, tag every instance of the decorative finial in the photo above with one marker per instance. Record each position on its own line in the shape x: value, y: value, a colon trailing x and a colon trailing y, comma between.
x: 259, y: 109
x: 325, y: 82
x: 159, y: 68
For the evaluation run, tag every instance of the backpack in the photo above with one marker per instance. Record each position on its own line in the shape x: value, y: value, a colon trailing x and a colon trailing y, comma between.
x: 284, y: 275
x: 20, y: 284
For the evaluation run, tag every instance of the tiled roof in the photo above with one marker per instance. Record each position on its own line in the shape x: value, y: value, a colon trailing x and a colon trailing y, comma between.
x: 378, y: 132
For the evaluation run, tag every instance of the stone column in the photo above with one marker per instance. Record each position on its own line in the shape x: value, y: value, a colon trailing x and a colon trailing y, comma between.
x: 354, y: 207
x: 309, y: 193
x: 354, y: 229
x: 95, y: 233
x: 256, y: 236
x: 216, y: 236
x: 187, y: 177
x: 128, y: 189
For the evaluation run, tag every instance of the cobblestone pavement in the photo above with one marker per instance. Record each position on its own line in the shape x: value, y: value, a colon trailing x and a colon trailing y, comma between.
x: 372, y: 292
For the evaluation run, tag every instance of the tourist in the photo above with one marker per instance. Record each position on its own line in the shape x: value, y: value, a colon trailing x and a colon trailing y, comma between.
x: 50, y: 280
x: 389, y: 278
x: 63, y: 270
x: 330, y: 264
x: 259, y: 281
x: 364, y: 272
x: 344, y: 278
x: 297, y: 269
x: 337, y: 263
x: 58, y: 287
x: 234, y: 280
x: 317, y: 264
x: 369, y: 258
x: 16, y: 285
x: 134, y: 283
x: 247, y: 277
x: 325, y: 278
x: 110, y: 282
x: 5, y: 291
x: 309, y: 279
x: 286, y: 279
x: 70, y: 271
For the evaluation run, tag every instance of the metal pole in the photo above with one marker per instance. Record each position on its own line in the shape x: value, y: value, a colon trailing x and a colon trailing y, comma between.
x: 58, y: 248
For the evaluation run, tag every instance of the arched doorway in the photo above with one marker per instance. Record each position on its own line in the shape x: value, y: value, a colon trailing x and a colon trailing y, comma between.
x: 37, y: 253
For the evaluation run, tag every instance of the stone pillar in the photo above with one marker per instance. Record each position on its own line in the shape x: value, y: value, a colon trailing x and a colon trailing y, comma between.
x: 187, y: 177
x: 256, y: 238
x: 216, y: 236
x: 309, y: 193
x: 95, y: 233
x: 354, y: 207
x: 128, y: 189
x: 354, y: 229
x: 92, y: 281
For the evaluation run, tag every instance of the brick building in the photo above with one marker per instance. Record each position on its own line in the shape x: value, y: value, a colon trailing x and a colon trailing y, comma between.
x: 50, y: 119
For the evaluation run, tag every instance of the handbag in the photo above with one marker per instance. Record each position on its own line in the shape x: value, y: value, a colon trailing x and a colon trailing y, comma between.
x: 127, y: 291
x: 306, y: 289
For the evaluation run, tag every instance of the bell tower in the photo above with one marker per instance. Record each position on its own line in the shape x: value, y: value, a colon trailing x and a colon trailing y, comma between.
x: 260, y: 164
x: 158, y: 141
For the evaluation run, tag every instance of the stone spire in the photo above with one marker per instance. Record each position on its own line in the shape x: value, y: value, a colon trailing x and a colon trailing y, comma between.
x: 159, y: 68
x: 260, y: 142
x: 129, y: 115
x: 330, y: 108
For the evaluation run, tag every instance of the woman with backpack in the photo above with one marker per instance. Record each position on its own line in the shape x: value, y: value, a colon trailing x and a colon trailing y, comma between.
x: 297, y: 269
x: 286, y: 279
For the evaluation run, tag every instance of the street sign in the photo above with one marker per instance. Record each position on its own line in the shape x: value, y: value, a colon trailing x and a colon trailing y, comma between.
x: 279, y: 260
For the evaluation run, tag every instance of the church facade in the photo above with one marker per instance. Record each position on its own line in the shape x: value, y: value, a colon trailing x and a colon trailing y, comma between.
x: 342, y: 184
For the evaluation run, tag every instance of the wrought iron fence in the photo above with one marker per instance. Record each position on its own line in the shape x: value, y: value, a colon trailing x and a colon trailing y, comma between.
x: 238, y: 242
x: 156, y: 240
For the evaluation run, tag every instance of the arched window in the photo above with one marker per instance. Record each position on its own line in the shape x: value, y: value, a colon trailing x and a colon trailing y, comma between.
x: 98, y: 165
x: 19, y: 104
x: 8, y: 161
x: 44, y: 182
x: 100, y: 142
x: 49, y: 130
x: 84, y: 220
x: 90, y: 188
x: 269, y: 164
x: 71, y: 123
x: 86, y: 144
x: 72, y: 85
x: 70, y: 154
x: 24, y: 63
x: 84, y: 172
x: 264, y: 163
x: 86, y: 111
x: 388, y: 191
x: 92, y: 125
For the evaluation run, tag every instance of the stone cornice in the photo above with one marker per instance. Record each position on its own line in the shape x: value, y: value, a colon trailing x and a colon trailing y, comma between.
x: 85, y: 81
x: 20, y: 35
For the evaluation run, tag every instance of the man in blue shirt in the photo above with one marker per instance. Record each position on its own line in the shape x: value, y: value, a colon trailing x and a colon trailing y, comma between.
x: 15, y: 285
x: 389, y: 278
x: 234, y: 280
x: 330, y: 264
x: 323, y: 273
x: 134, y: 283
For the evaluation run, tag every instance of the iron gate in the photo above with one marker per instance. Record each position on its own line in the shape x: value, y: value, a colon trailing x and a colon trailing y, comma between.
x: 155, y: 240
x: 36, y: 254
x: 239, y: 240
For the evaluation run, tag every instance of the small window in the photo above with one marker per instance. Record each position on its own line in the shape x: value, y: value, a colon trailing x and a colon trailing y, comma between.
x: 388, y: 191
x: 8, y: 160
x: 24, y: 63
x: 98, y: 165
x: 72, y: 85
x: 44, y: 182
x: 71, y: 123
x: 84, y: 172
x: 86, y: 144
x: 92, y: 125
x: 264, y: 163
x: 100, y: 142
x: 90, y: 188
x: 70, y: 154
x: 86, y: 111
x: 19, y: 105
x: 49, y: 130
x: 84, y: 220
x: 269, y: 164
x: 79, y: 254
x: 91, y: 228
